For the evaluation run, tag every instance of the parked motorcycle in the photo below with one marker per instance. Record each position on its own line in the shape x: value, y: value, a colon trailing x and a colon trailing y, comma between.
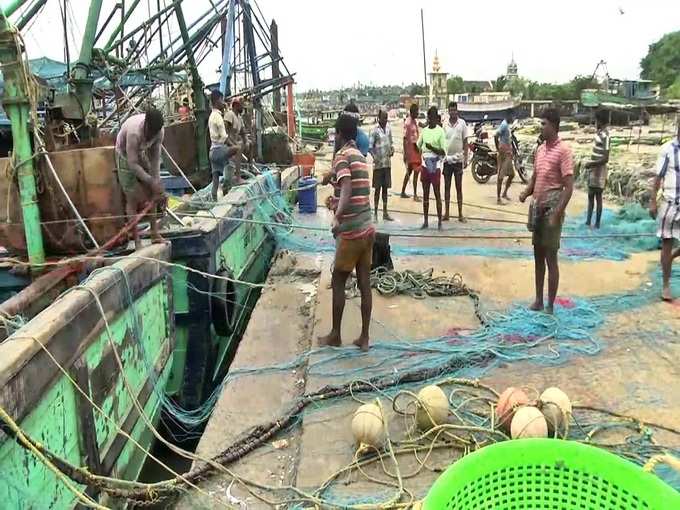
x: 484, y: 162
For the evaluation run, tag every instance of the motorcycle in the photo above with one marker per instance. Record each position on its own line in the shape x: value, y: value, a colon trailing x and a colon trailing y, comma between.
x: 484, y: 162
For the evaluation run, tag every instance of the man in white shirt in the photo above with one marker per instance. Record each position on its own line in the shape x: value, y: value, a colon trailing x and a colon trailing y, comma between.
x: 220, y: 152
x: 456, y: 159
x: 668, y: 215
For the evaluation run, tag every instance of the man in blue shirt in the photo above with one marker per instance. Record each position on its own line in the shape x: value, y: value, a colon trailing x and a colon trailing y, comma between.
x: 504, y: 148
x: 362, y: 141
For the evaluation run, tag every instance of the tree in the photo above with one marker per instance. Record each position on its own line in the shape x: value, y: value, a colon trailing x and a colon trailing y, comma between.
x: 499, y: 84
x: 416, y: 89
x: 455, y: 85
x: 662, y: 62
x: 673, y: 92
x: 516, y: 86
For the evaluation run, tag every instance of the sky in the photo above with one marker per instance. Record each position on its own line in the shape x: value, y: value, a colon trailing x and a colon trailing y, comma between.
x: 329, y: 44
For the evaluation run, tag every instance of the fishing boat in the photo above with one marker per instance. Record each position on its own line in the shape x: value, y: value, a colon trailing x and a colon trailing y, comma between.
x: 103, y: 349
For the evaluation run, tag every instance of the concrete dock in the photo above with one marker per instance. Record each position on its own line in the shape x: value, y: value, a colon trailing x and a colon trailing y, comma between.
x: 631, y: 375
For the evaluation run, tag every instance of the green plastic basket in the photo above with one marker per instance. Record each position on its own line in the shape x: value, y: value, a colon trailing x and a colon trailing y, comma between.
x: 548, y: 474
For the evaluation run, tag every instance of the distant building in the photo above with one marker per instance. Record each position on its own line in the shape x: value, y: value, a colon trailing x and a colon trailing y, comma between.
x: 477, y: 86
x: 511, y: 72
x: 438, y: 91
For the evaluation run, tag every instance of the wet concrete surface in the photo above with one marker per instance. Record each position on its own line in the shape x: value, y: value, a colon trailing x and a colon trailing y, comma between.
x: 632, y: 374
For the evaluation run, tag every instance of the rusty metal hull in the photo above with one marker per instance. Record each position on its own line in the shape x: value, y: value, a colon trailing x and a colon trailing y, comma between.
x: 89, y: 178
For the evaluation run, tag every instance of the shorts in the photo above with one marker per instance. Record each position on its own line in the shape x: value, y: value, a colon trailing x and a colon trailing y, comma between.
x: 219, y: 159
x: 505, y: 166
x: 545, y: 235
x: 382, y: 178
x: 349, y: 253
x: 414, y: 167
x: 134, y: 190
x: 668, y: 219
x: 452, y: 169
x: 431, y: 173
x: 595, y: 189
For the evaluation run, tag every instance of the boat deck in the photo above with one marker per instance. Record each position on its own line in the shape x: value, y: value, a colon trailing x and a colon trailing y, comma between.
x: 635, y: 372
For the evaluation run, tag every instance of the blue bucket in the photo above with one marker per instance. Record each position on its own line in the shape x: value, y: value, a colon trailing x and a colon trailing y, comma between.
x: 307, y: 195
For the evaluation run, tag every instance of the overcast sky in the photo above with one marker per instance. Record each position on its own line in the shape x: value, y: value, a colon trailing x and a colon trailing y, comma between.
x: 334, y: 43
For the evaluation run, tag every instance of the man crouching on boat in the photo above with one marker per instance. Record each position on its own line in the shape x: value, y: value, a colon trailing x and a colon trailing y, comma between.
x: 138, y: 165
x: 668, y: 179
x: 353, y: 227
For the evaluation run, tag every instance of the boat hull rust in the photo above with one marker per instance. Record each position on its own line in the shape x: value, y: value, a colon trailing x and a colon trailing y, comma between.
x: 88, y: 176
x: 48, y: 406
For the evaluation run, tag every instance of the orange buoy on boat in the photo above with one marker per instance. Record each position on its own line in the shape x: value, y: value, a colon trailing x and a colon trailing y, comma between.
x: 508, y: 402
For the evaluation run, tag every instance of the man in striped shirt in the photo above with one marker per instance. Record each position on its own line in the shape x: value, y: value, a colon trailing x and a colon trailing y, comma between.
x: 598, y: 167
x: 353, y: 227
x: 668, y: 178
x: 552, y: 184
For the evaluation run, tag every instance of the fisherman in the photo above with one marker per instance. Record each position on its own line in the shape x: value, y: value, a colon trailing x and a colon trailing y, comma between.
x: 432, y: 144
x: 551, y: 186
x: 184, y: 111
x: 412, y: 158
x: 219, y: 151
x: 504, y: 148
x: 382, y: 150
x: 598, y: 167
x: 353, y: 229
x: 138, y: 165
x: 237, y: 140
x: 668, y: 179
x: 363, y: 144
x: 456, y: 160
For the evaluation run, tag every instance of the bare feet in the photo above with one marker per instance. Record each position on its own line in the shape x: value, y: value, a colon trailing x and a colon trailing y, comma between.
x: 666, y: 294
x: 439, y: 225
x: 500, y: 202
x: 332, y: 339
x: 416, y: 198
x: 404, y: 195
x: 445, y: 217
x: 462, y: 219
x: 549, y: 309
x: 157, y: 239
x: 361, y: 343
x: 505, y: 196
x: 387, y: 217
x: 424, y: 226
x: 537, y: 306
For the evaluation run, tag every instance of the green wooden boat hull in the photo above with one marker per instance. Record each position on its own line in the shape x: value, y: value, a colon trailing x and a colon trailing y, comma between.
x: 185, y: 335
x: 44, y: 398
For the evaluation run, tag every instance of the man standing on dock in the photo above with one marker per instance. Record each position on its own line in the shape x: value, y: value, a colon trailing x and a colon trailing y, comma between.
x: 668, y: 179
x: 138, y: 166
x: 456, y: 160
x: 432, y: 144
x: 382, y: 150
x: 503, y: 139
x: 597, y: 178
x: 353, y: 228
x: 551, y: 185
x: 412, y: 158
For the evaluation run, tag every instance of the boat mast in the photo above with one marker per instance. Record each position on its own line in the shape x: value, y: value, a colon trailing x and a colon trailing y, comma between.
x: 81, y: 78
x: 200, y: 111
x: 17, y: 103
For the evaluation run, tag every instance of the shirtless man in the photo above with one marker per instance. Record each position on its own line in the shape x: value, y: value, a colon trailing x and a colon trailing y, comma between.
x: 138, y: 165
